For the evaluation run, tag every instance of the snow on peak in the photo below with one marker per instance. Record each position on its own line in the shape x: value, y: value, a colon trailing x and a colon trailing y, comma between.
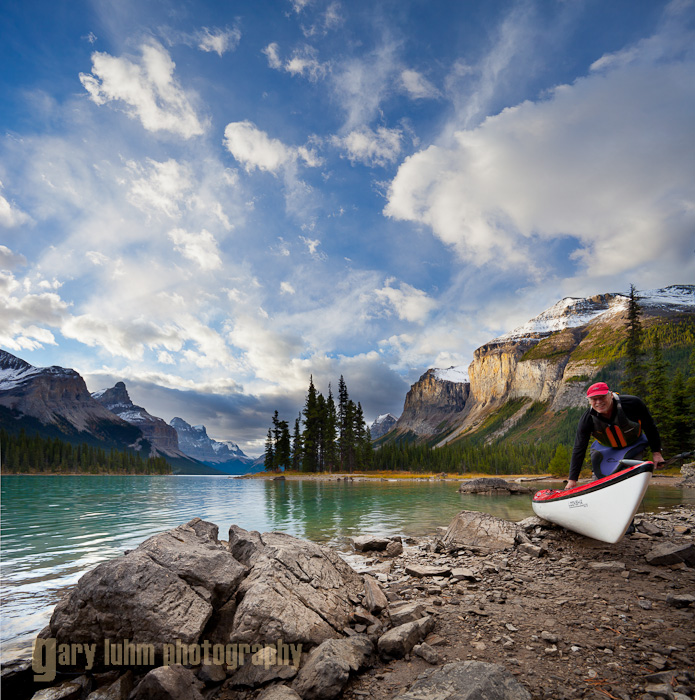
x: 458, y: 375
x: 383, y: 417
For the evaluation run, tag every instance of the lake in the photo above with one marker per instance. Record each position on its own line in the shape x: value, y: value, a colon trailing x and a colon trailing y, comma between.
x: 56, y: 528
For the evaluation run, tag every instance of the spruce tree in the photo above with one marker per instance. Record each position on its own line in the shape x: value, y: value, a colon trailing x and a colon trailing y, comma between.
x: 690, y: 397
x: 283, y: 450
x: 312, y: 430
x: 634, y: 370
x: 297, y: 445
x: 681, y: 426
x: 269, y: 458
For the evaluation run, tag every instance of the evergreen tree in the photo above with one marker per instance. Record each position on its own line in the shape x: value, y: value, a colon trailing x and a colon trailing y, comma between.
x: 657, y: 391
x: 634, y: 370
x: 282, y: 457
x: 690, y: 396
x: 312, y: 430
x: 560, y: 463
x: 297, y: 449
x: 329, y: 433
x: 269, y: 458
x: 681, y: 426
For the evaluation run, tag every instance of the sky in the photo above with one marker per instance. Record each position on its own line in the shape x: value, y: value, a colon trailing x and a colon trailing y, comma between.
x: 214, y: 201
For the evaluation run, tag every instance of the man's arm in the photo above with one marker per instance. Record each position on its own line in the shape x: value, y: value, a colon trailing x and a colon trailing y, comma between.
x: 636, y: 409
x: 581, y: 442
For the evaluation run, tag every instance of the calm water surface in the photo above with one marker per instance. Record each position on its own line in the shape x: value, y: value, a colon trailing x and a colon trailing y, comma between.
x: 55, y: 528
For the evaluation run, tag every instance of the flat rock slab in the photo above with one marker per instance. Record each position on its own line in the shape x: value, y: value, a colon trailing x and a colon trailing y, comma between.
x: 421, y: 571
x: 668, y: 553
x: 468, y: 680
x: 486, y: 532
x: 368, y: 543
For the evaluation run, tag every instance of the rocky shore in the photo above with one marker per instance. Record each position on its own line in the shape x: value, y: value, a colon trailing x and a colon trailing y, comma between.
x: 485, y: 609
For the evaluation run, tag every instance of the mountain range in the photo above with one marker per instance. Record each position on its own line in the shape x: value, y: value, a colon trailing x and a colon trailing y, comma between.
x: 546, y: 363
x: 55, y: 402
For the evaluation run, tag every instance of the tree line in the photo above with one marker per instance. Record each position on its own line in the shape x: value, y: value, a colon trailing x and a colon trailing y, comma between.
x: 326, y: 437
x: 25, y: 454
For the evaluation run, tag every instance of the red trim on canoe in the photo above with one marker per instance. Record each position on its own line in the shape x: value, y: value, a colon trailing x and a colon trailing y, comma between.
x: 554, y: 494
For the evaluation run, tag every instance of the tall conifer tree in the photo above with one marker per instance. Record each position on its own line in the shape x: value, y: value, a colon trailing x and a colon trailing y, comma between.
x: 634, y: 370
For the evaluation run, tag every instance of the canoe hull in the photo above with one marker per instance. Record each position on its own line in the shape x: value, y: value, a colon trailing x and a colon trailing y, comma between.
x: 602, y: 509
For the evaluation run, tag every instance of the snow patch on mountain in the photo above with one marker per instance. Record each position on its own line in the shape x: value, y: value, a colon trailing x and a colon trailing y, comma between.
x: 459, y: 375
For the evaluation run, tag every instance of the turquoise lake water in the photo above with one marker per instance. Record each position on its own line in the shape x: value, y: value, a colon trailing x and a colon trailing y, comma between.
x: 56, y: 528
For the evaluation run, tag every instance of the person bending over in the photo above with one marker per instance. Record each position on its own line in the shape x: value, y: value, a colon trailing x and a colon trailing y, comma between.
x: 622, y: 427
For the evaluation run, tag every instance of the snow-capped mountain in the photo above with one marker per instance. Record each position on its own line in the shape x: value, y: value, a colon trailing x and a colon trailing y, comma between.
x: 195, y: 442
x: 382, y: 425
x: 55, y: 400
x: 572, y: 312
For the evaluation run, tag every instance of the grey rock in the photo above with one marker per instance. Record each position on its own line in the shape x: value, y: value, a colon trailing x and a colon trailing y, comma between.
x: 532, y: 549
x: 118, y: 690
x: 168, y: 683
x: 394, y: 549
x: 468, y: 680
x: 245, y: 545
x: 296, y: 591
x: 279, y: 692
x: 132, y: 598
x: 374, y: 599
x: 211, y: 674
x: 328, y: 667
x: 680, y: 600
x: 420, y: 571
x: 369, y: 543
x: 463, y: 574
x: 426, y: 652
x: 480, y: 530
x: 406, y: 612
x: 193, y: 552
x: 65, y: 691
x: 399, y: 641
x: 607, y: 565
x: 262, y: 668
x: 669, y: 553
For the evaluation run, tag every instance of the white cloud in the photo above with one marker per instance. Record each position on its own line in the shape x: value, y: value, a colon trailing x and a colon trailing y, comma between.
x: 272, y: 51
x: 96, y: 258
x: 148, y: 90
x: 253, y: 148
x: 417, y: 86
x: 163, y: 187
x: 201, y: 248
x: 10, y: 260
x: 286, y: 288
x: 219, y: 40
x: 304, y: 62
x: 11, y: 216
x: 607, y: 160
x: 381, y: 147
x: 409, y: 303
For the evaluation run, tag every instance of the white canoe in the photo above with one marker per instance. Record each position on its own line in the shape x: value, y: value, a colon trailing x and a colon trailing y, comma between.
x: 602, y: 509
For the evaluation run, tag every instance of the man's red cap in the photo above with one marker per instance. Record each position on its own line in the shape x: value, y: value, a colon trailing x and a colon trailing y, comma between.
x: 598, y: 389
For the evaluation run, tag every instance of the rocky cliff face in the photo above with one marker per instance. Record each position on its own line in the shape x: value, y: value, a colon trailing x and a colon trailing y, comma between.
x: 550, y: 358
x: 56, y: 396
x: 161, y: 436
x: 195, y: 442
x: 430, y: 402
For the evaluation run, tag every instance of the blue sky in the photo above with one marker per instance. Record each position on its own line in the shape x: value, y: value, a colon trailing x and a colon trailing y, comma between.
x: 212, y: 201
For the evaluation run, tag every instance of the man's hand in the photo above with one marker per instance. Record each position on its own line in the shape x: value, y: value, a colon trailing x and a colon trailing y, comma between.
x: 657, y: 459
x: 570, y: 484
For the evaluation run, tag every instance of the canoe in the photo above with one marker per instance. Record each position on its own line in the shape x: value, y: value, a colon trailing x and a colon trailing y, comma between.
x: 602, y: 509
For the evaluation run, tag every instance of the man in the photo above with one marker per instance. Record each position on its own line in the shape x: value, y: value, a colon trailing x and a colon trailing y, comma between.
x: 622, y: 426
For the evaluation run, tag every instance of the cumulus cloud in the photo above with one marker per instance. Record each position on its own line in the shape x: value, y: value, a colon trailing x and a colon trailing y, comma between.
x: 373, y: 148
x: 10, y: 260
x: 253, y: 148
x: 417, y: 86
x: 409, y: 303
x: 607, y: 160
x: 24, y: 316
x: 201, y: 248
x: 147, y: 89
x: 218, y: 40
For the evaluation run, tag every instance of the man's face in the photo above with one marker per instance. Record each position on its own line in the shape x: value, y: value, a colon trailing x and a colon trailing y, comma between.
x: 601, y: 403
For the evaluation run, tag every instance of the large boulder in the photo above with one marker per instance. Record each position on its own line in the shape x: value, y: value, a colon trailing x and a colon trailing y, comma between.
x: 168, y: 683
x: 468, y: 680
x: 164, y: 590
x: 296, y: 591
x: 328, y: 667
x: 471, y: 529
